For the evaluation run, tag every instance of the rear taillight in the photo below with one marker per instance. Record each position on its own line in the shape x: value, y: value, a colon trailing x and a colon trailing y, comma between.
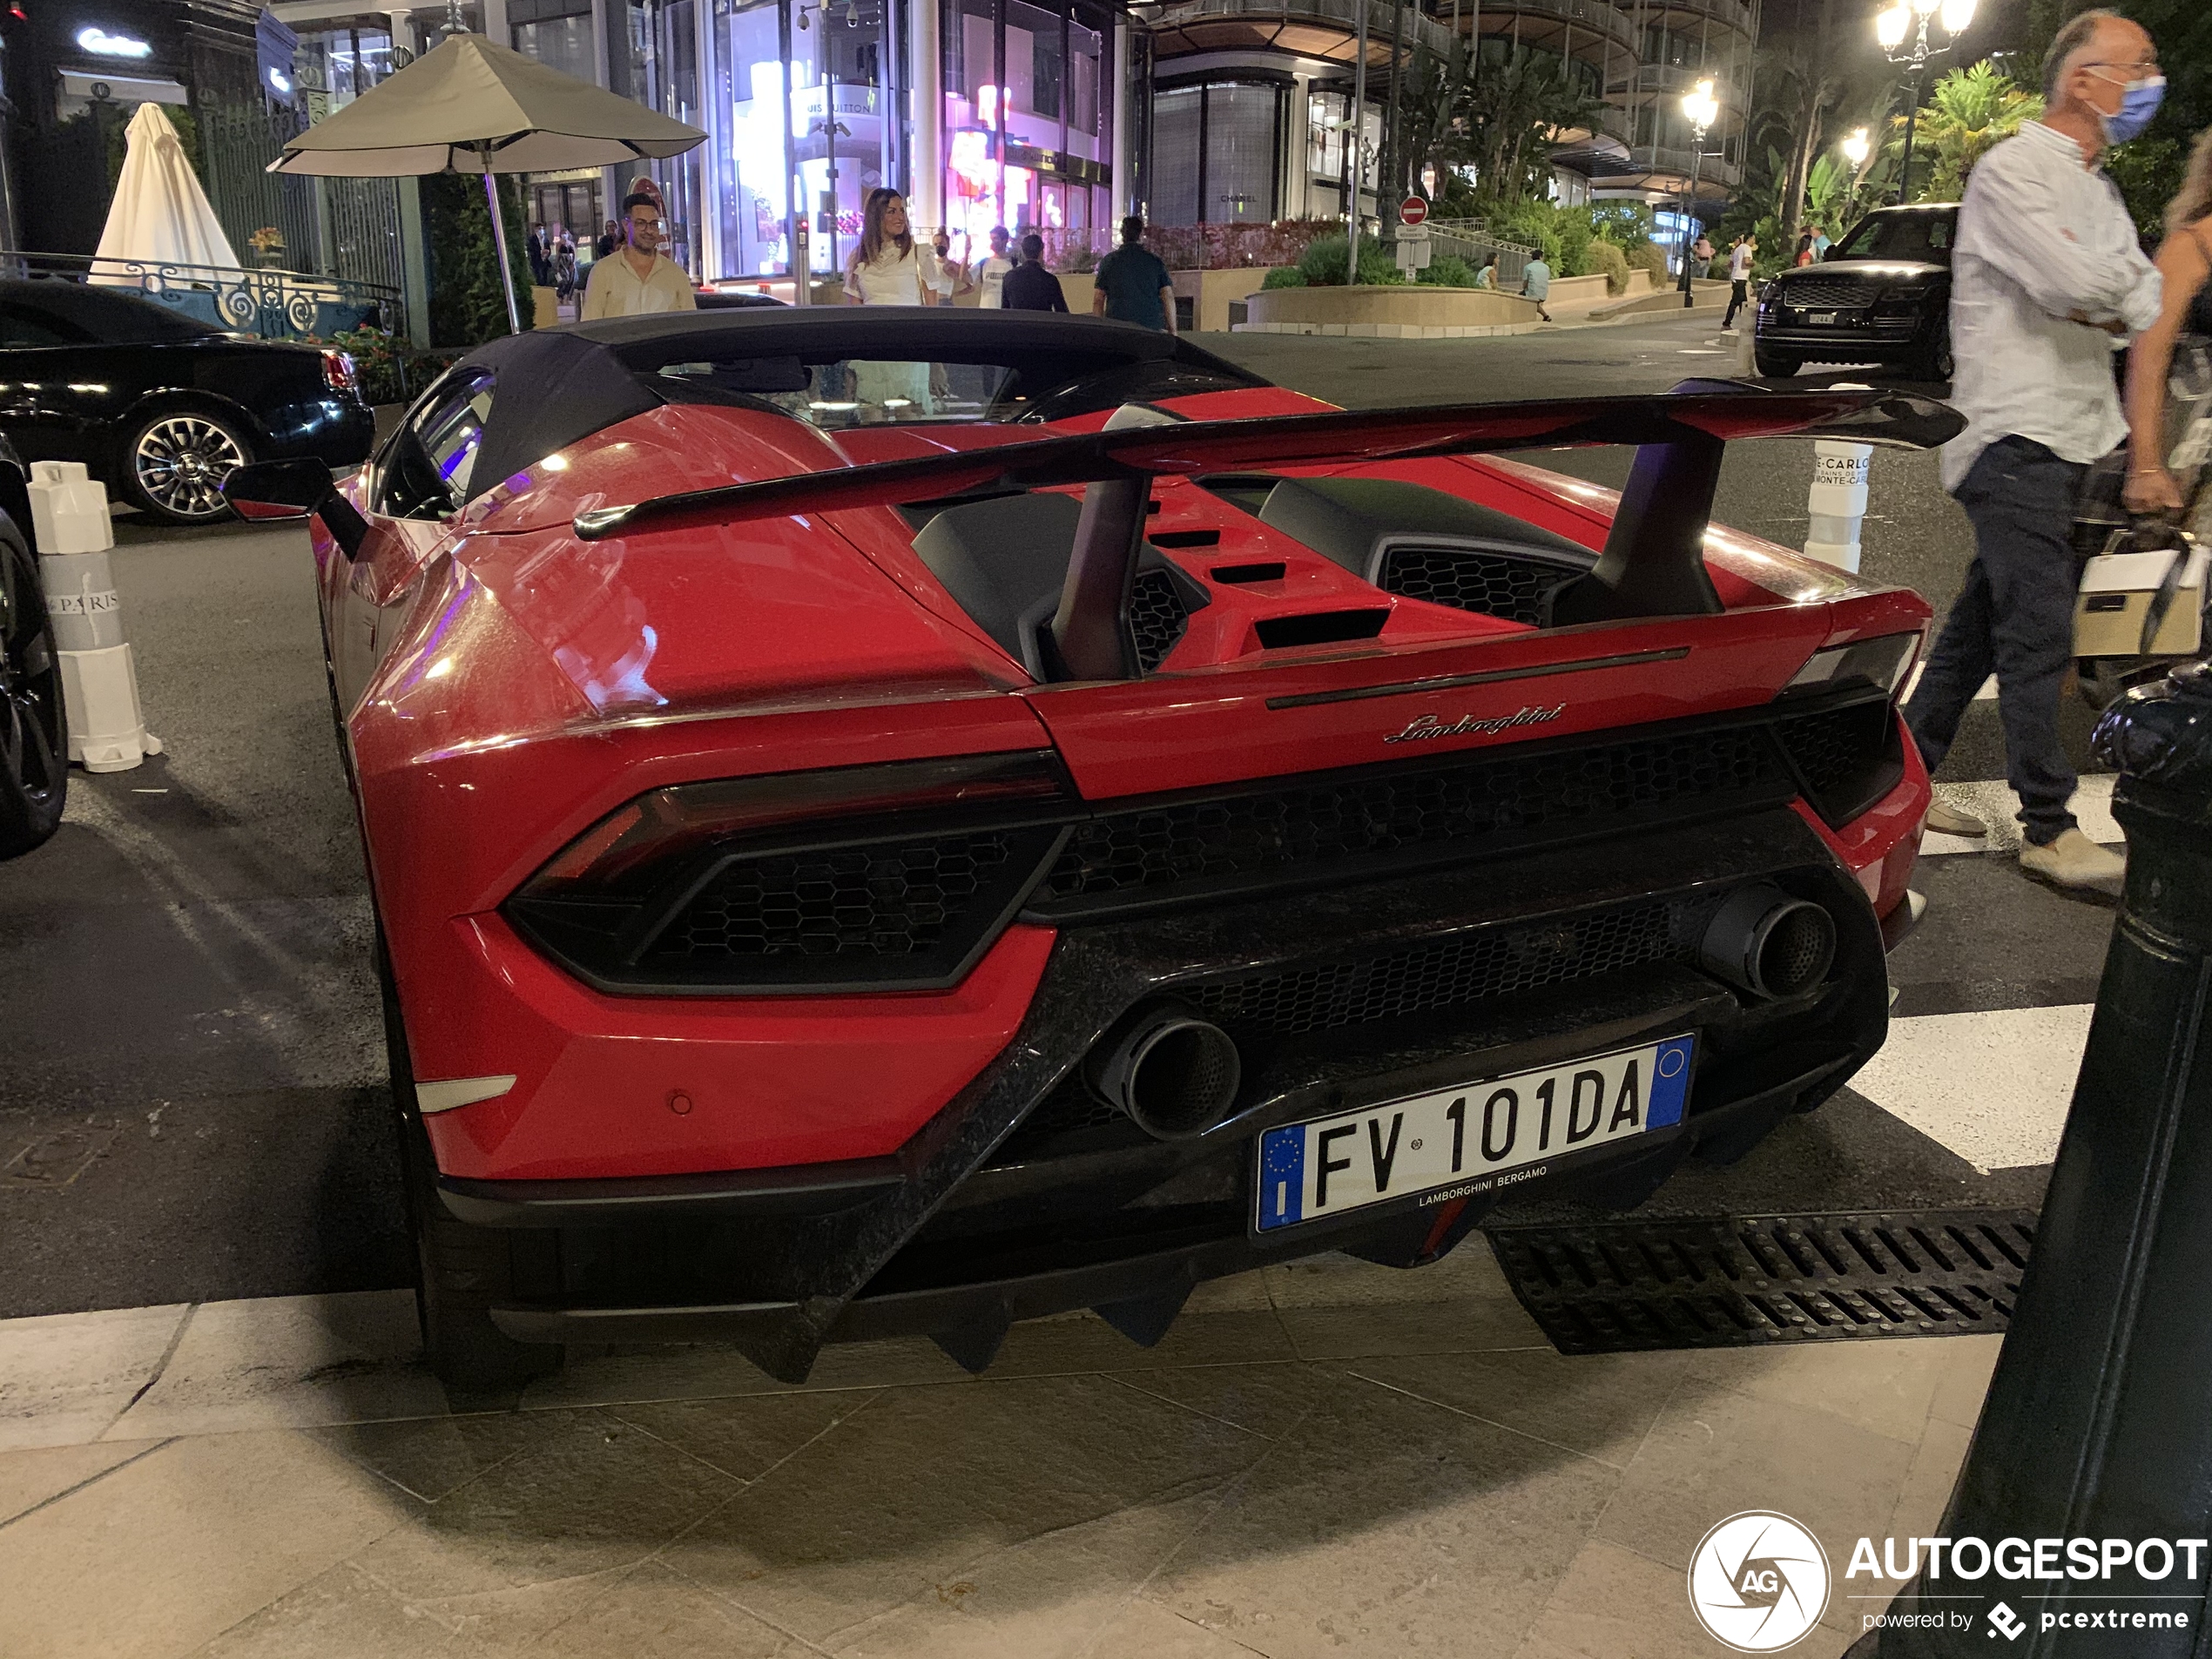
x: 863, y: 878
x: 338, y: 372
x: 1842, y: 735
x: 1883, y: 661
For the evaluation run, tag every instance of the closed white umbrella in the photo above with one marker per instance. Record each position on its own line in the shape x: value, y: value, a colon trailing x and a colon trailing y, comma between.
x: 472, y: 106
x: 160, y: 214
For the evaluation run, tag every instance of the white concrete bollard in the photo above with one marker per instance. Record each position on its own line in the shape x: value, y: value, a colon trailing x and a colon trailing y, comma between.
x: 69, y: 517
x: 1836, y: 501
x: 1837, y: 498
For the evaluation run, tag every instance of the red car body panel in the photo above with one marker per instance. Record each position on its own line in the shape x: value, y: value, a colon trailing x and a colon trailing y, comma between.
x: 507, y: 685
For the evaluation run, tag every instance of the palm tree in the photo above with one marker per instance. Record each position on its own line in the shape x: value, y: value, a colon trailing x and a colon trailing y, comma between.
x: 1968, y: 112
x: 1516, y: 112
x: 1433, y: 85
x: 1803, y: 86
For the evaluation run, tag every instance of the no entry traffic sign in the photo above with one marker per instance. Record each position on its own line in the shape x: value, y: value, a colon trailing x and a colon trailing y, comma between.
x: 1412, y: 211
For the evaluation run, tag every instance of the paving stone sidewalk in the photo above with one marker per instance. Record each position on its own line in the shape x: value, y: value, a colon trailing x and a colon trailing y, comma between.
x: 1325, y: 1458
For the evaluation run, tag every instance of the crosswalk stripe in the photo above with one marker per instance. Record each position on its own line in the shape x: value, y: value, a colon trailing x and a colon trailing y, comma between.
x: 1987, y: 694
x: 1995, y: 806
x: 1992, y: 1087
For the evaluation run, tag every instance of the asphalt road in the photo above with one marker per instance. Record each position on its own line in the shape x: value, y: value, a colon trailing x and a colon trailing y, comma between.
x: 191, y: 1092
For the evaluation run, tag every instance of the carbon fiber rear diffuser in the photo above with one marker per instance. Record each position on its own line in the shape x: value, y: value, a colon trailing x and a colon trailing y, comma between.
x: 1744, y: 1281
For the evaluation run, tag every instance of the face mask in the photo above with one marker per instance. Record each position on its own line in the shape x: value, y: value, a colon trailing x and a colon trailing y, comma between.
x: 2137, y: 104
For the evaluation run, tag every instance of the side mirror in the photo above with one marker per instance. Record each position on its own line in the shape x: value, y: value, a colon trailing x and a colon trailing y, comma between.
x: 281, y: 489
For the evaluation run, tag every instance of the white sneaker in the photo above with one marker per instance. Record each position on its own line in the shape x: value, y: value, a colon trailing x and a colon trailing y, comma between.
x: 2074, y: 860
x: 1949, y: 820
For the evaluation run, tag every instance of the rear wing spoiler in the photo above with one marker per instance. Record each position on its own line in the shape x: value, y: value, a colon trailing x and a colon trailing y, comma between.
x: 1653, y: 561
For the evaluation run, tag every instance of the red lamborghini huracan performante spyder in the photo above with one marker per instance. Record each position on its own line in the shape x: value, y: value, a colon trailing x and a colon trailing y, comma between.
x: 901, y: 821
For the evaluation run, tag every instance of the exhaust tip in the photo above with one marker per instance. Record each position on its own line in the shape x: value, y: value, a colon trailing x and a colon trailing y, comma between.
x: 1174, y: 1074
x: 1769, y: 944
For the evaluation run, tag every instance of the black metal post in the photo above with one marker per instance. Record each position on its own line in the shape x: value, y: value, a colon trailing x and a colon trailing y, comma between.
x: 1690, y: 216
x: 2096, y: 1425
x: 1912, y: 122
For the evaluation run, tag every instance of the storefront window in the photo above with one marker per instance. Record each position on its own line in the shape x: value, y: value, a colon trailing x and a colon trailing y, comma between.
x: 837, y: 121
x: 1024, y: 129
x: 557, y: 33
x: 1086, y: 51
x: 1241, y: 154
x: 335, y: 65
x: 1175, y: 155
x: 1214, y: 154
x: 974, y: 167
x: 1325, y: 135
x: 755, y: 229
x: 678, y: 56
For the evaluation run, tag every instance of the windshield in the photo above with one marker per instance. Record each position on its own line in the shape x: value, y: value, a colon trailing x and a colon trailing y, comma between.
x: 1922, y: 237
x: 1019, y: 387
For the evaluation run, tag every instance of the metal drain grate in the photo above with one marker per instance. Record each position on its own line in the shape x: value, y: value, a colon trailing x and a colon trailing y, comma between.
x: 1741, y: 1281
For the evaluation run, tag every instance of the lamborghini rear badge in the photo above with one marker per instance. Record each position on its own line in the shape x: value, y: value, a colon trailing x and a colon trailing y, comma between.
x: 1466, y: 725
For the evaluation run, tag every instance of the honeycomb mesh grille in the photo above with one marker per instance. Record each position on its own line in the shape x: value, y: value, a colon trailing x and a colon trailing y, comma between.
x: 1157, y: 618
x: 1815, y: 295
x: 1492, y: 963
x: 1493, y: 584
x: 1071, y: 1108
x: 1835, y: 751
x: 882, y: 901
x: 1286, y: 832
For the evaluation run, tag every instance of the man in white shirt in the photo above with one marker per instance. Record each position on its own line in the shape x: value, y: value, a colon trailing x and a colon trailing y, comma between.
x: 2047, y: 275
x: 991, y: 273
x: 637, y: 279
x: 1739, y: 278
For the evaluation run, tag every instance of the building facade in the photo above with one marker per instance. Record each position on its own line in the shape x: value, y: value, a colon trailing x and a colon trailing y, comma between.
x: 73, y: 74
x: 1054, y: 115
x: 984, y: 112
x: 1251, y: 97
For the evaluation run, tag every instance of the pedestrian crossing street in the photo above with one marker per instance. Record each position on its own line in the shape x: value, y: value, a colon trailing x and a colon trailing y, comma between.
x: 1989, y: 1083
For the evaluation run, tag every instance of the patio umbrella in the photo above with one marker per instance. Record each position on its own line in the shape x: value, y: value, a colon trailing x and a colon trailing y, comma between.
x: 160, y: 215
x: 472, y: 107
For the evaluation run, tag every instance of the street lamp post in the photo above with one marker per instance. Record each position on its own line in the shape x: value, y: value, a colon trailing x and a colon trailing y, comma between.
x: 1702, y: 109
x: 1357, y: 140
x: 1891, y: 28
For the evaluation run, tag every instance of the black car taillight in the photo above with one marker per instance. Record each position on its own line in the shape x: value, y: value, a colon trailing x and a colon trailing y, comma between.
x: 1845, y: 746
x: 893, y: 877
x: 338, y: 372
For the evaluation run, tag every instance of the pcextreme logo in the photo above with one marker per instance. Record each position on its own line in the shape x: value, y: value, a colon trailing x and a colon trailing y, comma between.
x: 1758, y: 1581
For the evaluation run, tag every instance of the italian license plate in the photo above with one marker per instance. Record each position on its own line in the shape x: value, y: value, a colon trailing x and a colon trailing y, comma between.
x: 1820, y: 316
x: 1471, y: 1138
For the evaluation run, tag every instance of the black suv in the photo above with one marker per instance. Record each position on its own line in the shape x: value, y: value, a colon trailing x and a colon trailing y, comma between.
x: 1883, y: 295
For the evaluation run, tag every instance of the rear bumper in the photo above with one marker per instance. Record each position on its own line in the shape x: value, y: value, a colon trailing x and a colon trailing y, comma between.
x: 1022, y: 1198
x: 1846, y: 345
x: 1155, y: 1281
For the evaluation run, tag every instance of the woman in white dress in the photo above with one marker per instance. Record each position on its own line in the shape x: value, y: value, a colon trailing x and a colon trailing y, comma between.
x: 891, y: 268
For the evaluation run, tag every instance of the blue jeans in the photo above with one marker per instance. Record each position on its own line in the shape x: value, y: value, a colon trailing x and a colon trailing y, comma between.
x: 2013, y: 618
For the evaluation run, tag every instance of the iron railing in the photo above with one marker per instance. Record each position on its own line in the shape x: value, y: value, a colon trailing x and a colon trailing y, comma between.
x: 1420, y: 31
x: 1470, y: 240
x: 1600, y: 19
x: 275, y: 305
x: 1714, y: 168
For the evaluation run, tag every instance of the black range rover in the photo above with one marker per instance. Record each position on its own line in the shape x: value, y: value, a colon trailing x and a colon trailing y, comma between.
x: 1883, y: 295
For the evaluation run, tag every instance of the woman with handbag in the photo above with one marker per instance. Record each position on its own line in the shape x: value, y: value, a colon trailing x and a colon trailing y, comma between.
x: 2185, y: 262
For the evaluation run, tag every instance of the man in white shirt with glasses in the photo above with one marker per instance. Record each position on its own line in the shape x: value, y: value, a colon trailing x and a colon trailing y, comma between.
x: 637, y: 280
x: 2047, y: 274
